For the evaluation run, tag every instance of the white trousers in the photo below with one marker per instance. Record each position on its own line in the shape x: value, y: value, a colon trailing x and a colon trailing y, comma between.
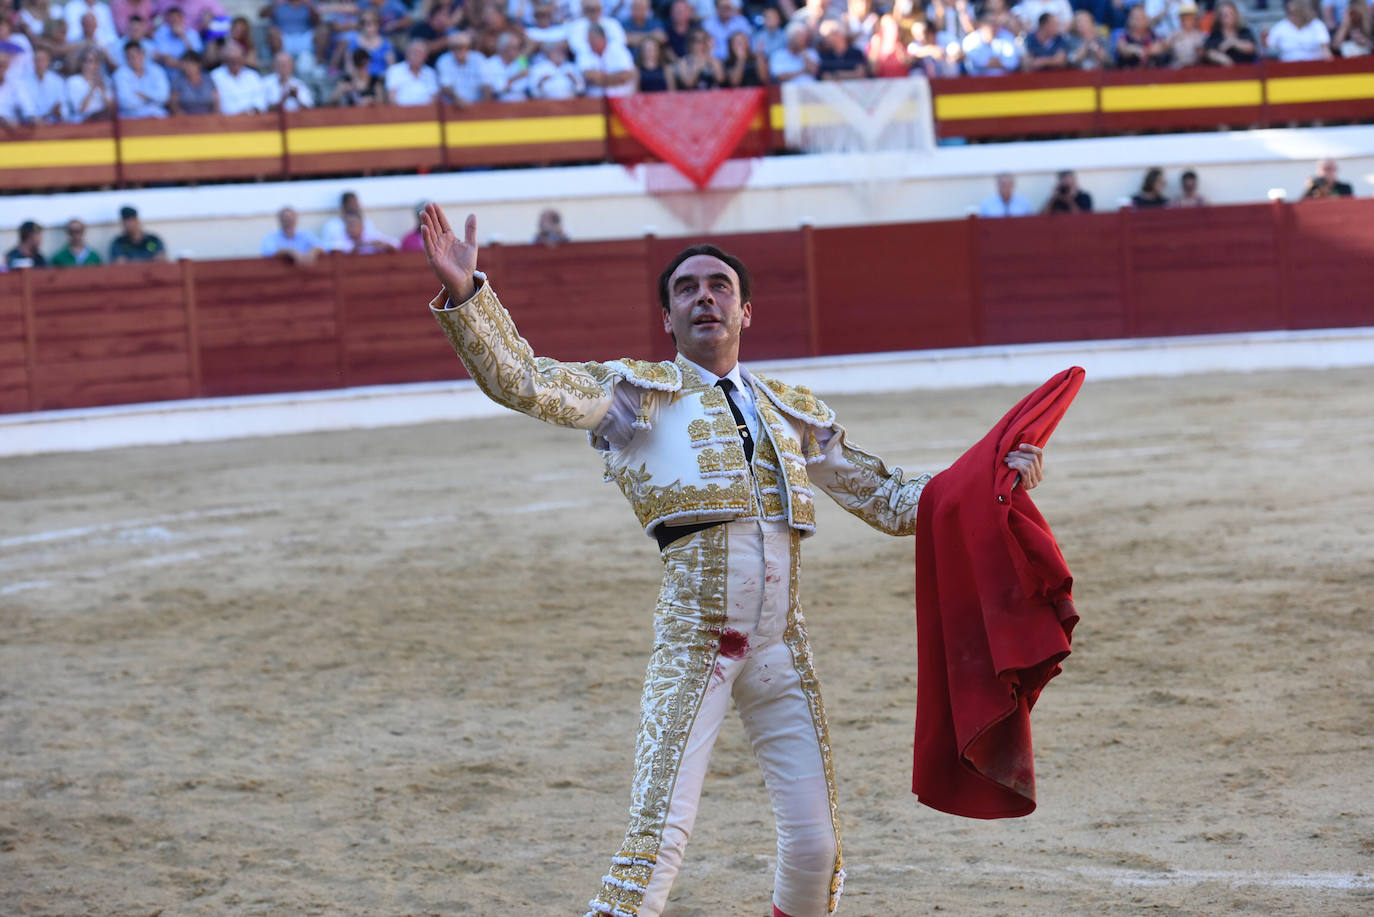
x: 728, y: 625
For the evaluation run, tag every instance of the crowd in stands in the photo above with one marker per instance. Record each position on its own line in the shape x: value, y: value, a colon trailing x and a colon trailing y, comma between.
x: 85, y: 59
x: 351, y: 232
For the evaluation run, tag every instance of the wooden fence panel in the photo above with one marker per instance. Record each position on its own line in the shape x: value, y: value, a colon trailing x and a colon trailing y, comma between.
x: 200, y: 147
x: 58, y: 156
x: 14, y: 351
x: 110, y: 335
x: 1330, y: 260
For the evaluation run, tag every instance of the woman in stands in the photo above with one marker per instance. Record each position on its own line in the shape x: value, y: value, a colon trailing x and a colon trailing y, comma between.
x: 369, y: 38
x: 887, y: 53
x: 193, y: 92
x: 741, y: 66
x: 653, y: 75
x: 1355, y: 35
x: 1135, y: 44
x: 699, y: 69
x: 359, y: 85
x: 1231, y: 42
x: 89, y: 96
x: 1151, y: 195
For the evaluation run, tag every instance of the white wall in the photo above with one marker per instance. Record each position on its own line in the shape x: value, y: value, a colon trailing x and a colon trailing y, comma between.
x: 611, y: 201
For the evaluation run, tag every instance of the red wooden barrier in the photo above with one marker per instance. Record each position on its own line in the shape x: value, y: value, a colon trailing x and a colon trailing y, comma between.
x: 107, y: 335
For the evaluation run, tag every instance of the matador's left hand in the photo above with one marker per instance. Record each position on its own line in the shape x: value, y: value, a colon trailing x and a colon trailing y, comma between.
x: 1029, y: 462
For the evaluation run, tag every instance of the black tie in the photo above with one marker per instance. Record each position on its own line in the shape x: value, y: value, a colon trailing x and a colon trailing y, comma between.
x: 726, y: 386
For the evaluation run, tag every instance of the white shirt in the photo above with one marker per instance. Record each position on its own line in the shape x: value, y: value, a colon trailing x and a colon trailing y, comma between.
x: 21, y: 62
x: 16, y: 103
x: 334, y: 235
x: 77, y: 91
x: 463, y: 80
x: 1289, y: 43
x: 130, y: 88
x: 547, y: 36
x: 577, y: 33
x: 411, y: 88
x: 994, y: 206
x: 496, y: 74
x: 548, y: 81
x: 239, y: 94
x: 782, y: 63
x: 105, y: 32
x: 272, y: 92
x: 47, y: 90
x: 614, y: 59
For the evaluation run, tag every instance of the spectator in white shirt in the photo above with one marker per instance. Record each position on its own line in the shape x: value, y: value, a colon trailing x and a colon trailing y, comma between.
x: 105, y: 32
x: 412, y: 81
x: 283, y: 90
x: 553, y: 76
x: 726, y: 22
x: 460, y: 71
x: 334, y: 235
x: 20, y: 48
x: 1005, y: 202
x: 506, y: 76
x: 47, y: 88
x: 138, y: 34
x: 141, y: 88
x: 608, y: 69
x: 240, y: 89
x: 990, y: 50
x: 89, y: 97
x: 796, y: 62
x: 1300, y: 36
x: 546, y: 30
x: 16, y: 102
x: 593, y: 13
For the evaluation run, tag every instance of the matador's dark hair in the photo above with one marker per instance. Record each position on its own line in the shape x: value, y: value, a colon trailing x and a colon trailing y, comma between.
x: 703, y: 249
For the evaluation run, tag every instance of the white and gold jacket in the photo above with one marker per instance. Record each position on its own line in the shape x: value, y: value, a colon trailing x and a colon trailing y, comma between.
x: 685, y: 461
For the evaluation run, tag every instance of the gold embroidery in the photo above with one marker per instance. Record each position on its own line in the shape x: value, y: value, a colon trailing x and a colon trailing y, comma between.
x: 652, y: 504
x: 728, y: 459
x: 699, y: 430
x: 798, y: 401
x: 861, y: 483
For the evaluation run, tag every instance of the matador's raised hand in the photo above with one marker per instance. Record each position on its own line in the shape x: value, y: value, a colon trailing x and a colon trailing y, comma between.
x: 453, y: 259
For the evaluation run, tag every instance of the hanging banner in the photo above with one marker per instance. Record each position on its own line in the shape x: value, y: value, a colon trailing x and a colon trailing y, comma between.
x: 693, y: 131
x: 859, y: 116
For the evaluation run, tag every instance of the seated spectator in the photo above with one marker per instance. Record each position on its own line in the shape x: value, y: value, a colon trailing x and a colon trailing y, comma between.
x: 124, y: 10
x: 133, y: 244
x: 26, y: 253
x: 771, y: 36
x: 553, y: 76
x: 839, y: 59
x: 699, y: 69
x: 359, y: 85
x: 593, y: 14
x: 641, y: 23
x: 47, y: 90
x: 54, y: 38
x: 283, y: 90
x: 1087, y: 49
x: 460, y: 71
x: 205, y: 16
x: 369, y: 38
x: 1067, y: 197
x: 933, y: 58
x: 357, y: 242
x: 1135, y: 44
x: 193, y: 92
x: 1299, y: 36
x: 1329, y: 172
x: 1230, y: 42
x: 608, y: 69
x: 888, y: 56
x: 1151, y: 193
x: 140, y: 88
x: 138, y: 34
x: 225, y: 32
x: 174, y: 38
x: 434, y: 31
x: 948, y: 21
x: 860, y: 22
x: 333, y: 234
x: 412, y: 81
x: 16, y: 101
x: 546, y: 28
x: 653, y: 75
x: 679, y: 29
x: 105, y: 32
x: 549, y: 231
x: 990, y: 50
x: 288, y: 242
x: 1005, y: 202
x: 1163, y: 16
x: 89, y: 94
x: 240, y: 89
x: 1046, y: 49
x: 413, y: 241
x: 292, y: 25
x: 76, y: 253
x: 1354, y: 36
x: 726, y: 21
x: 1187, y: 41
x: 797, y: 61
x: 741, y: 64
x: 1188, y: 196
x: 85, y: 39
x: 506, y: 77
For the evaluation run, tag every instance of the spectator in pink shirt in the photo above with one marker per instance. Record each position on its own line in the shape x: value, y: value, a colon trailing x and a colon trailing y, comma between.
x: 123, y: 9
x: 411, y: 241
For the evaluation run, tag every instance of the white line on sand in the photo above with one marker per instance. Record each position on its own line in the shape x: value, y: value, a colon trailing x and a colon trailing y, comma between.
x: 1140, y: 878
x: 83, y: 530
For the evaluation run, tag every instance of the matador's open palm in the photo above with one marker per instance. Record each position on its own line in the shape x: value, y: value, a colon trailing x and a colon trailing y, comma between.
x: 454, y: 260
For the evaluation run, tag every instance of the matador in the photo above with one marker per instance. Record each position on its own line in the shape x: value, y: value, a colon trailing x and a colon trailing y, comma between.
x: 720, y: 466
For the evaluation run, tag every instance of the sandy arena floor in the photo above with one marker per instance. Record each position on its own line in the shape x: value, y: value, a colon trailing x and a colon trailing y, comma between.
x: 397, y: 672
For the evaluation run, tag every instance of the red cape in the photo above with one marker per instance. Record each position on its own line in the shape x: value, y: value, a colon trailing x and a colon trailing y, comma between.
x: 994, y: 615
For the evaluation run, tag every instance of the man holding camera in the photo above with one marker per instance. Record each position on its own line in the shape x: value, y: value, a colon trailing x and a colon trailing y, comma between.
x: 1067, y: 196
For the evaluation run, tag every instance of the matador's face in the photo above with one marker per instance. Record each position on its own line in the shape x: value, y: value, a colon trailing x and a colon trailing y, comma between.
x: 705, y: 315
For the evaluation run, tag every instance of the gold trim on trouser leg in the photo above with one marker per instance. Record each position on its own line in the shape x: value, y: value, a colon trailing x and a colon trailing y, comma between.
x: 795, y: 638
x: 687, y: 623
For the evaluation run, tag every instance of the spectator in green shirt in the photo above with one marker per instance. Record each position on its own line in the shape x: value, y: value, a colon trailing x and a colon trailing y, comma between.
x: 134, y: 244
x: 76, y: 253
